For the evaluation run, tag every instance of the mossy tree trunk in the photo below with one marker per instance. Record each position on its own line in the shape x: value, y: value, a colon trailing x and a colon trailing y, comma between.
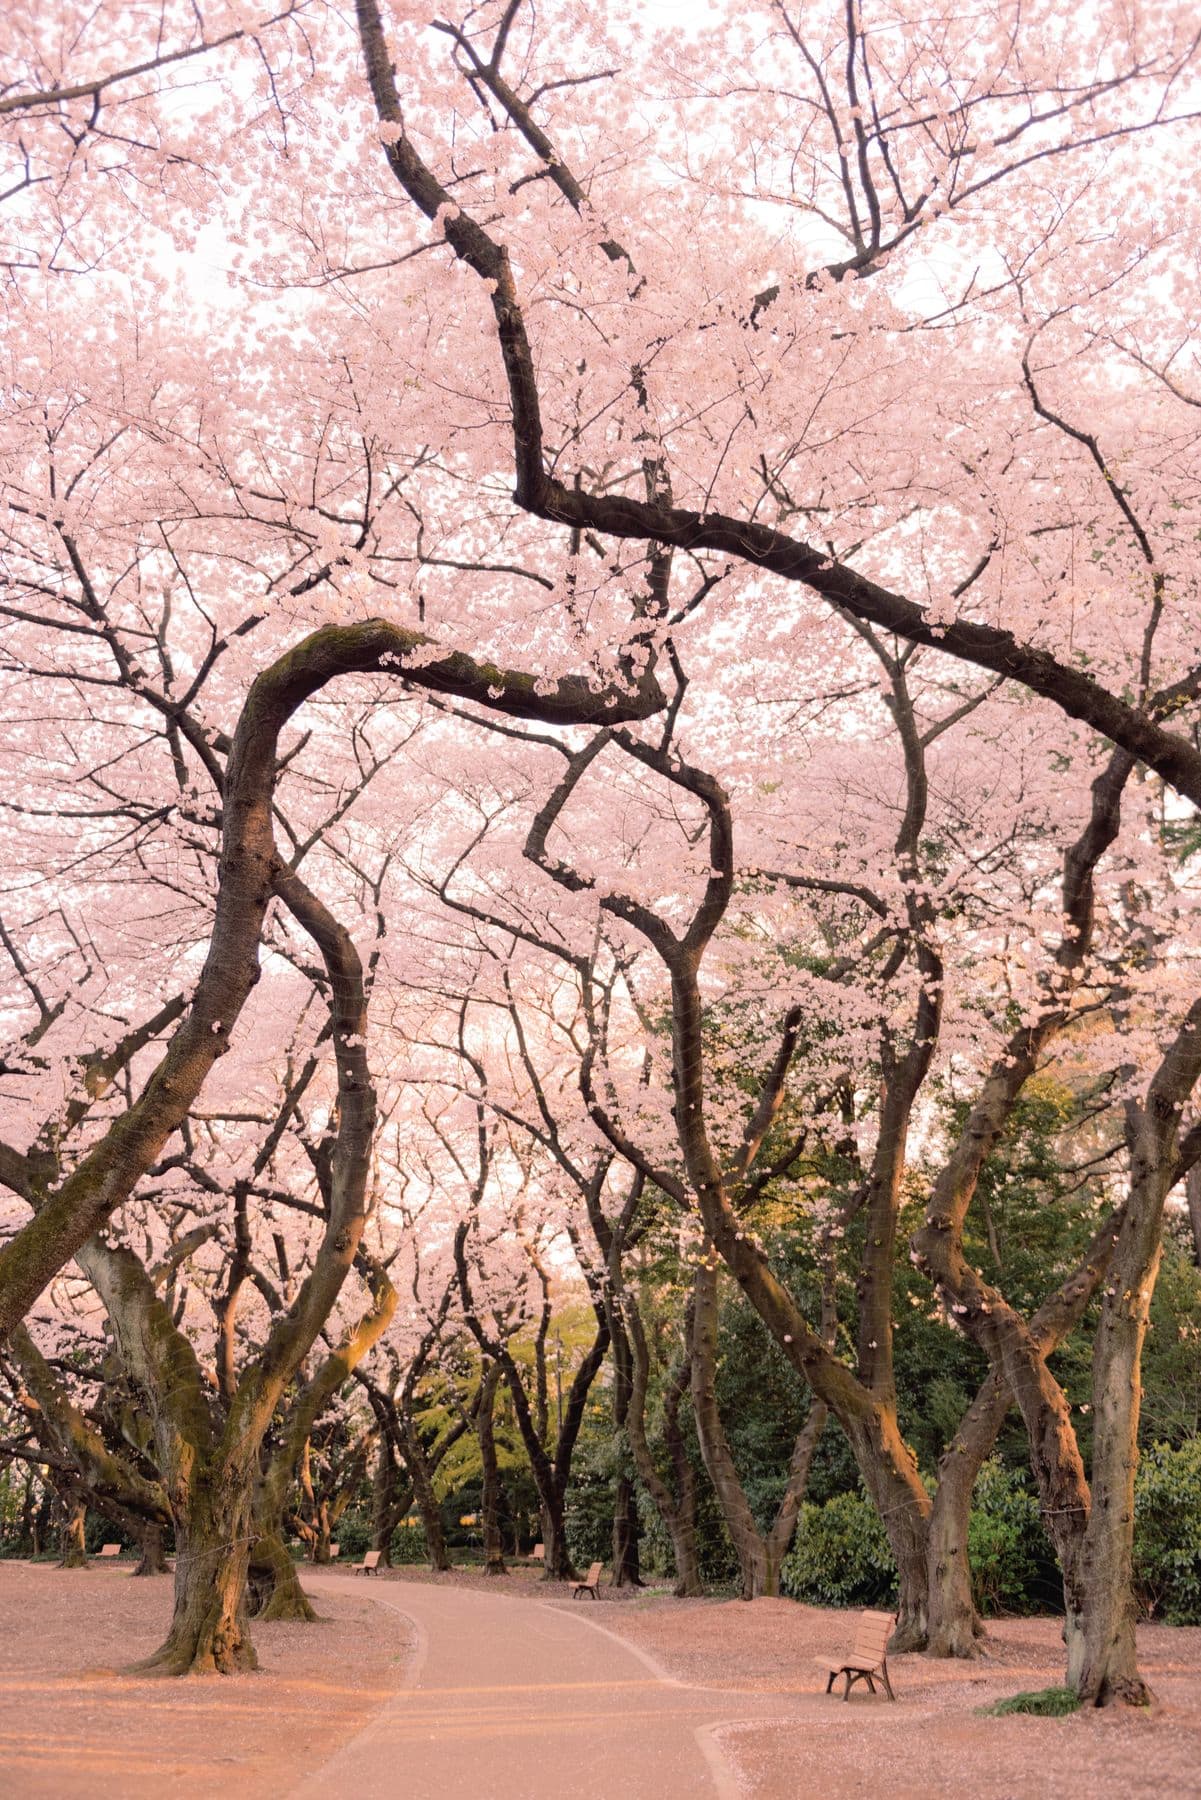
x: 208, y: 1444
x: 153, y: 1560
x: 209, y: 1632
x: 274, y: 1588
x: 73, y: 1512
x: 956, y: 1628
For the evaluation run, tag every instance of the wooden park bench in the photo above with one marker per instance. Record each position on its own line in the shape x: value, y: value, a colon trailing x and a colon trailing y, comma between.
x: 868, y: 1658
x: 589, y: 1584
x: 335, y: 1551
x: 538, y: 1553
x: 110, y: 1550
x: 369, y: 1564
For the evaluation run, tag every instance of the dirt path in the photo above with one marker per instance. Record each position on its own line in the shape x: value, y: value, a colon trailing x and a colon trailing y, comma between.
x: 517, y: 1699
x: 749, y: 1683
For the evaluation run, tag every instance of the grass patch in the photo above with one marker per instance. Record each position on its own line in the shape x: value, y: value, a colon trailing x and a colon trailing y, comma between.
x: 1045, y: 1703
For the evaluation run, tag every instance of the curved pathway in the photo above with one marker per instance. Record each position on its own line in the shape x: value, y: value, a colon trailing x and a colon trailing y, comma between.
x: 517, y: 1699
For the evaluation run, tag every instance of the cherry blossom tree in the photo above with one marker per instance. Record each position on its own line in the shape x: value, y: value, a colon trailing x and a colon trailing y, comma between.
x: 828, y: 371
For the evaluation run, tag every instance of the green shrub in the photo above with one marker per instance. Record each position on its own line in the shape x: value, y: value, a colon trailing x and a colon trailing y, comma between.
x: 354, y: 1537
x: 1167, y: 1532
x: 1013, y: 1564
x: 1045, y: 1703
x: 840, y: 1556
x: 99, y: 1530
x: 408, y: 1545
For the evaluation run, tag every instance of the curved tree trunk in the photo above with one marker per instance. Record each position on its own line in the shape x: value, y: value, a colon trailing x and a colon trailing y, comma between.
x: 779, y: 1537
x: 955, y: 1627
x: 715, y: 1449
x: 760, y: 1554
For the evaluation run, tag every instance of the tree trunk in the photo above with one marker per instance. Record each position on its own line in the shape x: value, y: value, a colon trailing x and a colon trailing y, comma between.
x: 383, y: 1501
x: 1103, y: 1664
x: 760, y: 1554
x: 73, y: 1552
x: 955, y: 1627
x: 558, y: 1563
x: 779, y: 1537
x: 745, y: 1535
x: 152, y: 1560
x: 678, y: 1510
x: 1192, y: 1189
x: 209, y: 1633
x: 494, y: 1549
x: 681, y: 1524
x: 626, y: 1570
x: 27, y: 1538
x: 42, y: 1522
x: 274, y: 1581
x: 881, y: 1455
x: 321, y: 1534
x: 431, y: 1517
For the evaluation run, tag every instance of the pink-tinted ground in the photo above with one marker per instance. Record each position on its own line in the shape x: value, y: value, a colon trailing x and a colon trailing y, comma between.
x: 933, y: 1742
x: 71, y: 1726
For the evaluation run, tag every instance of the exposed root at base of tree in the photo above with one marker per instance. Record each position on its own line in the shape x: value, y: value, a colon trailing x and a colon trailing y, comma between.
x: 287, y: 1604
x: 206, y: 1658
x: 1121, y: 1690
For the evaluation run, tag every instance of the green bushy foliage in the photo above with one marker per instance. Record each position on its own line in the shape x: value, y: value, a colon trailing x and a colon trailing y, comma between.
x: 840, y: 1556
x: 715, y: 1553
x: 408, y: 1544
x: 1013, y: 1564
x: 1045, y: 1703
x: 1167, y: 1532
x: 98, y: 1530
x: 354, y: 1537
